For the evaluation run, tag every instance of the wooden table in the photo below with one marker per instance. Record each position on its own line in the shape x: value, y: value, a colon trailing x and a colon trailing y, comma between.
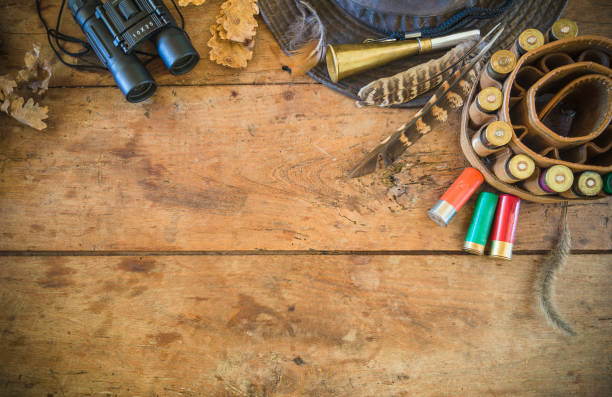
x: 207, y: 242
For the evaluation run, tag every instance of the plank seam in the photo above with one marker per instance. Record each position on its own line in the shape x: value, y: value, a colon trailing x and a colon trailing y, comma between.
x: 233, y: 84
x: 9, y: 253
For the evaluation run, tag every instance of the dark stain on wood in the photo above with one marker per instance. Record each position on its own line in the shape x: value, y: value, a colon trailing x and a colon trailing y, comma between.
x: 102, y: 330
x: 252, y: 316
x: 288, y: 95
x: 112, y: 286
x: 138, y: 291
x: 196, y: 322
x: 127, y: 151
x: 298, y: 361
x: 18, y: 341
x: 198, y: 298
x: 77, y: 147
x: 248, y: 312
x: 214, y: 197
x: 58, y: 276
x: 352, y: 203
x: 165, y: 338
x: 155, y: 169
x: 37, y: 228
x: 291, y: 308
x: 137, y: 265
x: 234, y: 94
x: 70, y: 194
x: 98, y: 306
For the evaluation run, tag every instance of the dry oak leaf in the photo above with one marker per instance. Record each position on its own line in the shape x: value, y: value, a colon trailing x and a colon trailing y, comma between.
x: 5, y: 106
x: 226, y: 52
x: 6, y: 86
x: 30, y: 113
x: 185, y: 3
x: 237, y: 17
x: 36, y: 73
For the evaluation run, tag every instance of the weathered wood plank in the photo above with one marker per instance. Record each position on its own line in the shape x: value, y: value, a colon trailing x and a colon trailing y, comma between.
x: 230, y: 168
x: 20, y: 28
x: 300, y: 326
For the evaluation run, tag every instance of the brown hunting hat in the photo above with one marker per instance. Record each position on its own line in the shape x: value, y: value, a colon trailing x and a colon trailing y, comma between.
x: 353, y: 21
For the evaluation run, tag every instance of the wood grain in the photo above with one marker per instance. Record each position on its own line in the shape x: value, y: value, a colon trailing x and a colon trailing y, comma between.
x: 235, y: 168
x: 20, y: 28
x: 299, y: 326
x: 223, y: 160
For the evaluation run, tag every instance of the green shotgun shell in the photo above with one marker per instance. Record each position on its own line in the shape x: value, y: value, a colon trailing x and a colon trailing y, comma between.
x: 607, y: 183
x: 482, y: 220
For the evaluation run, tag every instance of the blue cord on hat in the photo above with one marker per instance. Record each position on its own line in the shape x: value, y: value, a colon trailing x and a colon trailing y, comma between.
x: 456, y: 21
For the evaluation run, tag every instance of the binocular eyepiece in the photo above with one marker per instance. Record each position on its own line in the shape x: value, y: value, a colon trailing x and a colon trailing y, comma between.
x: 116, y: 27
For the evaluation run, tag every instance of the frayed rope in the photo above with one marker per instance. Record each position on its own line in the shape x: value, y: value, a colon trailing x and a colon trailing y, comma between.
x: 553, y: 263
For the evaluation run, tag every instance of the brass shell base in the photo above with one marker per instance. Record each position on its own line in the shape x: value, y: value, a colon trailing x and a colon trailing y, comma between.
x: 501, y: 249
x: 474, y: 248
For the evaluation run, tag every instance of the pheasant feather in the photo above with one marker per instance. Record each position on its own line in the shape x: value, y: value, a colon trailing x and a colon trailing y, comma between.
x: 409, y: 84
x: 463, y: 77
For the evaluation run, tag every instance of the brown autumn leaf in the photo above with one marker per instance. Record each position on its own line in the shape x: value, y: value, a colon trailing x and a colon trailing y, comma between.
x: 185, y: 3
x: 228, y: 53
x: 36, y: 73
x: 237, y: 17
x: 6, y: 86
x: 17, y: 89
x: 29, y: 113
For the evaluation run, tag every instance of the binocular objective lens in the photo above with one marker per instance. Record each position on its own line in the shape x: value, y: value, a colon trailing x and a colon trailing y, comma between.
x: 184, y: 64
x: 141, y: 92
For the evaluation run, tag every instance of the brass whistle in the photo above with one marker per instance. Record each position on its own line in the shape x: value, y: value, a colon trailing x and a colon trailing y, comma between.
x: 345, y: 60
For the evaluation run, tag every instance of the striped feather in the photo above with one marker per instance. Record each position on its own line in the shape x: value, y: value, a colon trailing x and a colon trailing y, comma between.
x: 445, y: 97
x: 409, y: 84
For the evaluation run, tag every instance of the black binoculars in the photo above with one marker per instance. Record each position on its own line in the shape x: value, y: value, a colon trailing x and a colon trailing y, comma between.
x: 116, y: 27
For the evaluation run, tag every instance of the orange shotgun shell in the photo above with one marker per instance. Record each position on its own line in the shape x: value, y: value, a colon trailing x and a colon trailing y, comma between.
x: 456, y: 195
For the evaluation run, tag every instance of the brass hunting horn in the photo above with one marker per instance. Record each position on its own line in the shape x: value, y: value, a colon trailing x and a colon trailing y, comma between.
x: 348, y: 59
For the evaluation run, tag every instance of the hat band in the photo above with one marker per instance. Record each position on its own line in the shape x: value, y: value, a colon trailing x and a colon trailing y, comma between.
x: 445, y: 16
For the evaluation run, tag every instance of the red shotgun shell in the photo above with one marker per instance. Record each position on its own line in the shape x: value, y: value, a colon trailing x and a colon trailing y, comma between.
x: 456, y: 195
x: 504, y: 226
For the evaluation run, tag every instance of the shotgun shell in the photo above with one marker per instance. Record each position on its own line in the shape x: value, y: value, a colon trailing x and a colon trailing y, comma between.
x: 487, y: 102
x: 511, y: 168
x: 456, y: 195
x: 563, y: 29
x: 607, y: 183
x: 490, y: 138
x: 520, y: 166
x: 482, y: 220
x: 556, y: 179
x: 504, y: 226
x: 501, y: 64
x: 588, y: 184
x: 529, y: 40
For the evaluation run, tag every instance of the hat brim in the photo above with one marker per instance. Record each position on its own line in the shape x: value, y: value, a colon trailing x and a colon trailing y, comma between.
x: 342, y: 28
